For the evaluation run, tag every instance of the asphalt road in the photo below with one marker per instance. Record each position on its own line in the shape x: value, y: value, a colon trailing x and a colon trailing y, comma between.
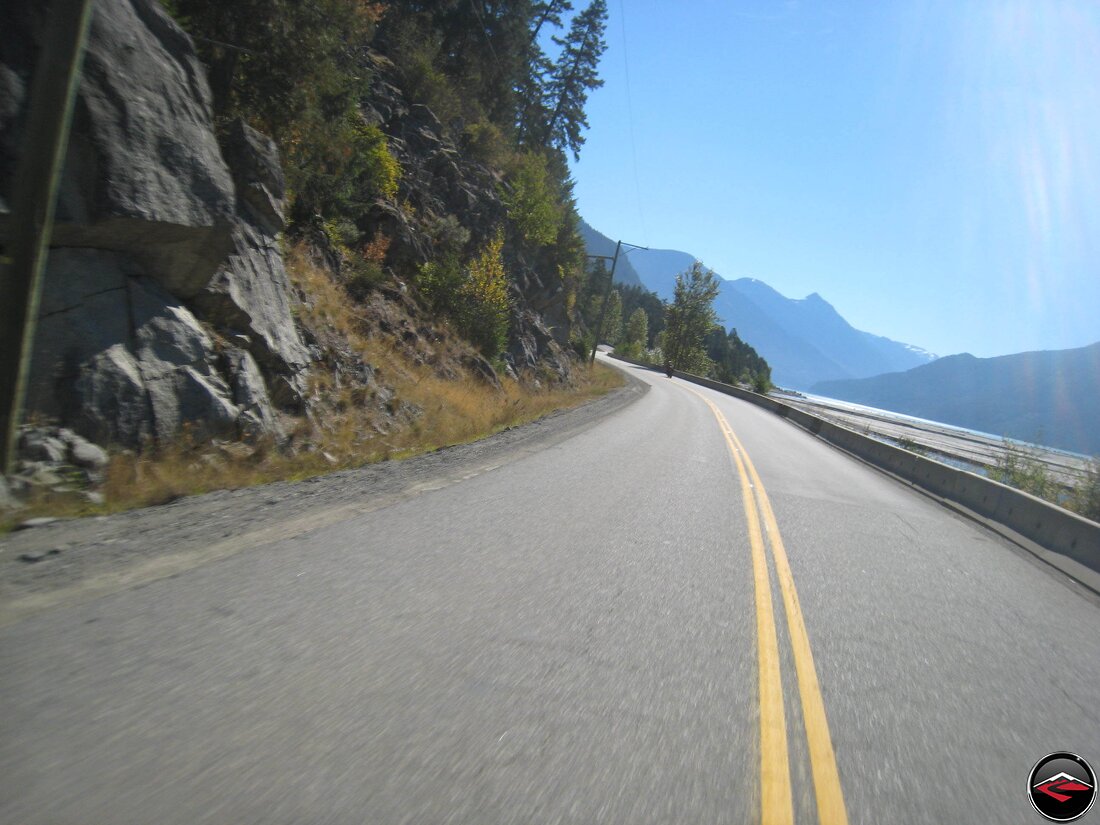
x: 571, y: 637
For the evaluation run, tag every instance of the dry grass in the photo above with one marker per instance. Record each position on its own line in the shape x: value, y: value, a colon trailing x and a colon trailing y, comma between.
x: 352, y: 427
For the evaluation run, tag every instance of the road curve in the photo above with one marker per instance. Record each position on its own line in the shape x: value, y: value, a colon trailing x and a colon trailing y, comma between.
x: 573, y: 638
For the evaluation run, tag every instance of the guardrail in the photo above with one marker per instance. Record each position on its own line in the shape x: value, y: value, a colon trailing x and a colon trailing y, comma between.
x: 1051, y: 527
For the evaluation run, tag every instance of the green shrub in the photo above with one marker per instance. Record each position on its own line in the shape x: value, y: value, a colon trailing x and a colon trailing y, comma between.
x: 439, y: 282
x: 475, y: 298
x: 484, y: 306
x: 416, y: 53
x: 582, y: 346
x: 1086, y: 494
x: 449, y: 236
x: 486, y: 143
x: 379, y: 170
x: 533, y: 205
x: 363, y: 279
x: 1019, y: 468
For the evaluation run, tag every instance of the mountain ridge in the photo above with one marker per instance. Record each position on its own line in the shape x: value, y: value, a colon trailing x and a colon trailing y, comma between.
x: 805, y: 340
x: 599, y: 244
x: 1049, y: 397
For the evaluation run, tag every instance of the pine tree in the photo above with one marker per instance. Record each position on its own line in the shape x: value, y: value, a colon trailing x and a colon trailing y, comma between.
x: 636, y: 297
x: 613, y: 320
x: 636, y: 336
x: 689, y: 318
x: 543, y: 13
x: 733, y: 359
x: 572, y: 78
x: 532, y: 87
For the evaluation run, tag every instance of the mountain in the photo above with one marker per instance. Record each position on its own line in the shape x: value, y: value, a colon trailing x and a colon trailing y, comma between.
x: 818, y: 343
x: 1050, y: 397
x: 599, y: 244
x: 805, y: 341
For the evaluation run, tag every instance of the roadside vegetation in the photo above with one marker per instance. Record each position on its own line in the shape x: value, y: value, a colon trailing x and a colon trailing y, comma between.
x: 684, y: 333
x: 370, y: 243
x: 910, y: 445
x: 1021, y: 468
x: 426, y: 412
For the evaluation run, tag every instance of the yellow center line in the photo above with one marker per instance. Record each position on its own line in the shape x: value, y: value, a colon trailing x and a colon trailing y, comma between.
x: 775, y: 779
x: 776, y: 806
x: 830, y: 799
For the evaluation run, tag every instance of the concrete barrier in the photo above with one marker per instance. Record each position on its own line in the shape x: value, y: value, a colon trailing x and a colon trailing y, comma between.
x: 1051, y: 527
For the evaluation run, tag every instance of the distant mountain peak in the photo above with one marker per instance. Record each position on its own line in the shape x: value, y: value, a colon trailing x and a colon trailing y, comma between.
x: 804, y: 340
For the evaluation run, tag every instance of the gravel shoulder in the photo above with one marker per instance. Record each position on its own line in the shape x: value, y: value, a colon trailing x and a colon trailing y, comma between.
x: 80, y: 559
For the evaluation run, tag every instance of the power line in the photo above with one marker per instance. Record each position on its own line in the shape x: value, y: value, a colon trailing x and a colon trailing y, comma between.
x: 475, y: 5
x: 630, y: 126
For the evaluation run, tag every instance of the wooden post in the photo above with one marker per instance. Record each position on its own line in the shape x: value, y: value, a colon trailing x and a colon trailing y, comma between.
x: 34, y: 196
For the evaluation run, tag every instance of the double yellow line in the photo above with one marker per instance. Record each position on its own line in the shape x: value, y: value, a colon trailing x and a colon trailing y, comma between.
x: 776, y: 806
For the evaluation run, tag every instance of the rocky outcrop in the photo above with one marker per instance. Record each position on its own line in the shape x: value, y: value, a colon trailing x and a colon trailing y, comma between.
x: 120, y: 359
x: 250, y: 292
x: 144, y: 173
x: 165, y: 300
x: 54, y: 459
x: 453, y: 201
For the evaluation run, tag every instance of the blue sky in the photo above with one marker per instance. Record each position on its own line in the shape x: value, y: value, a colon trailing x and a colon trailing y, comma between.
x: 930, y: 168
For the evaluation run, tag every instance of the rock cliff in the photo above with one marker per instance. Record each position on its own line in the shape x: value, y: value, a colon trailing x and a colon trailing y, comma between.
x: 447, y: 191
x: 165, y: 299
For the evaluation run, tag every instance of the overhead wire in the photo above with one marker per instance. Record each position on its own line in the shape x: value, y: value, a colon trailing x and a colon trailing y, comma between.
x: 630, y: 127
x: 475, y: 5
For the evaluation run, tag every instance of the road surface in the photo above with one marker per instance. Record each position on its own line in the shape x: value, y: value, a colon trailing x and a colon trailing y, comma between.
x: 690, y: 612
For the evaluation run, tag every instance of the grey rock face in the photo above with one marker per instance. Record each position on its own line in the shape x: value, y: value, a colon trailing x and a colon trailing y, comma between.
x: 250, y: 295
x: 250, y: 394
x: 144, y: 173
x: 250, y: 291
x: 55, y: 458
x: 87, y: 455
x: 155, y: 380
x: 119, y: 358
x: 7, y: 500
x: 36, y: 445
x: 157, y: 234
x: 483, y: 369
x: 254, y: 162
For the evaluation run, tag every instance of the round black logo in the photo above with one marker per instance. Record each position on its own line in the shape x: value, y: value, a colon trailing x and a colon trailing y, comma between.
x: 1062, y: 787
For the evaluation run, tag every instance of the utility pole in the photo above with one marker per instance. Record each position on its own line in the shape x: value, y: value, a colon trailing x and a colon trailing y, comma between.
x: 34, y: 196
x: 607, y: 293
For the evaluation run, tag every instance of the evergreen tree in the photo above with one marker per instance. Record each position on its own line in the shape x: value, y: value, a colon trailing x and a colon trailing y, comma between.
x: 572, y: 78
x: 636, y: 336
x: 594, y: 288
x: 637, y: 297
x: 532, y: 87
x: 689, y: 318
x: 613, y: 319
x: 551, y: 13
x: 297, y: 72
x: 733, y: 359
